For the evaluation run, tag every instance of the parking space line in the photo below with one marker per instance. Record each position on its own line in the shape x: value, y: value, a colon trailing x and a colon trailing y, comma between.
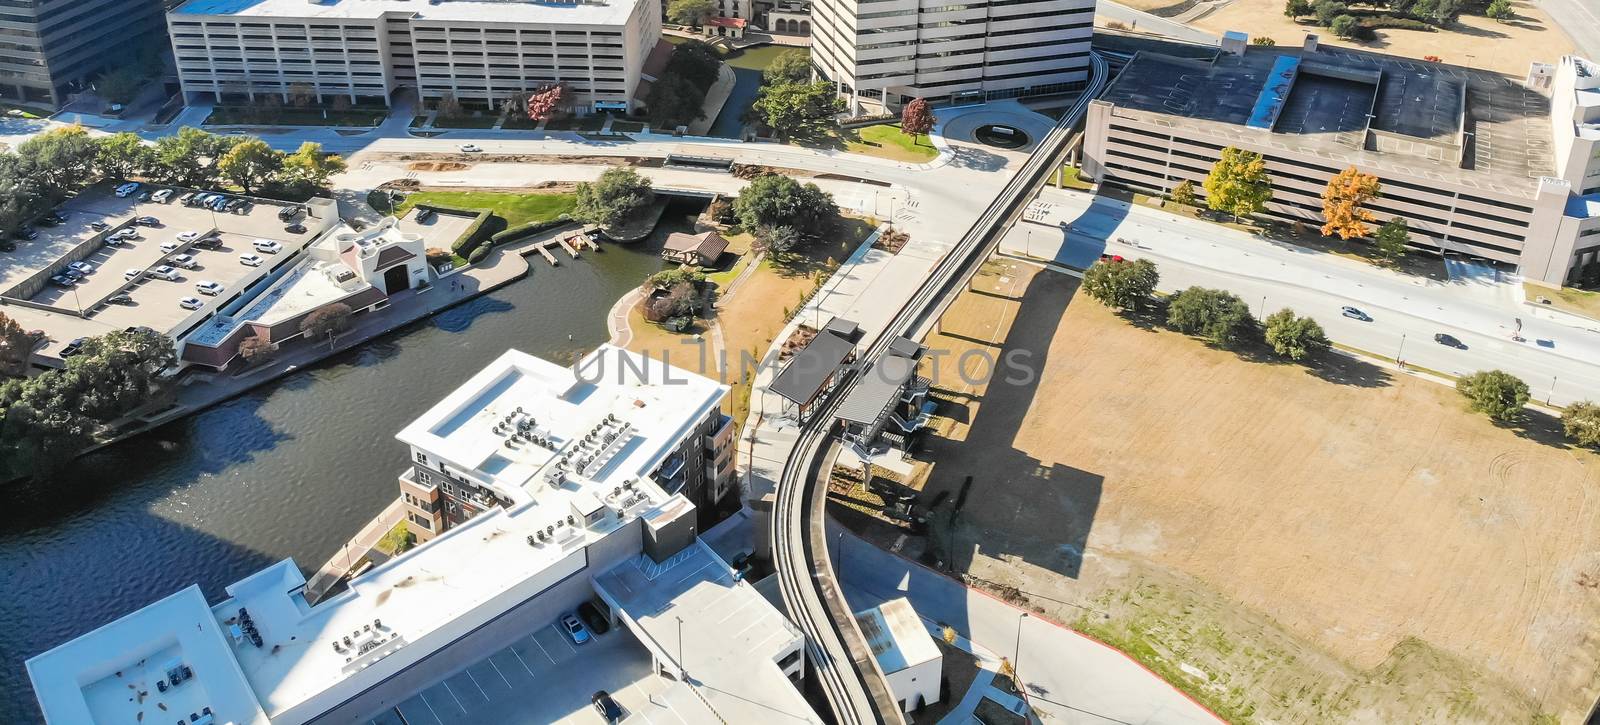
x: 431, y: 711
x: 475, y: 684
x: 542, y: 649
x: 498, y: 672
x: 453, y: 696
x: 563, y: 640
x: 524, y: 663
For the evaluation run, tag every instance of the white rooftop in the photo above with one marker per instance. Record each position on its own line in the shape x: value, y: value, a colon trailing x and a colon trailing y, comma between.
x: 491, y: 11
x: 897, y: 636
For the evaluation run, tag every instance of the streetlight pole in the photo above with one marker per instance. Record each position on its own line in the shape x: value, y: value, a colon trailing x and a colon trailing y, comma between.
x: 1263, y: 311
x: 1552, y: 390
x: 1016, y: 653
x: 681, y: 667
x: 1399, y: 358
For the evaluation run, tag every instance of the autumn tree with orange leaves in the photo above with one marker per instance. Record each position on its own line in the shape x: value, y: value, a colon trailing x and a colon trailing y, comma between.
x: 1342, y: 201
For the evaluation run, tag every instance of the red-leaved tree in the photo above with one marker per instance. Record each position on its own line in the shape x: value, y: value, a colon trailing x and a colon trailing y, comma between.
x: 915, y: 118
x: 544, y: 103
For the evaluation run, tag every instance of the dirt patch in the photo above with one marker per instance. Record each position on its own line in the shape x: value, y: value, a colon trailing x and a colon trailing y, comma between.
x: 473, y: 158
x: 1287, y: 544
x: 437, y: 166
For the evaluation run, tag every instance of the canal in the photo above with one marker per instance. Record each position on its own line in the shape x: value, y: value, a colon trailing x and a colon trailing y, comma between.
x: 291, y: 470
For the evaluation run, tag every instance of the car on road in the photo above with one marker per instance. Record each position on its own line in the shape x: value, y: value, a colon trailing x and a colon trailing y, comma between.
x: 74, y: 347
x: 574, y: 629
x: 165, y: 272
x: 1355, y: 314
x: 81, y: 267
x: 62, y: 280
x: 191, y: 303
x: 1449, y: 341
x: 267, y: 246
x: 593, y: 618
x: 185, y: 261
x: 607, y: 707
x: 147, y: 221
x: 470, y: 148
x: 209, y: 288
x: 55, y: 217
x: 188, y: 236
x: 250, y: 260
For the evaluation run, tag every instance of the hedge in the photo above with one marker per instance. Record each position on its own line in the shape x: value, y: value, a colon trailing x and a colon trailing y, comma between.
x: 478, y: 254
x: 511, y: 234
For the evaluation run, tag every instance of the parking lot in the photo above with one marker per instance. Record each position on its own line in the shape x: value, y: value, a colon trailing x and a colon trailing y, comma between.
x: 441, y: 230
x: 543, y: 678
x: 155, y: 301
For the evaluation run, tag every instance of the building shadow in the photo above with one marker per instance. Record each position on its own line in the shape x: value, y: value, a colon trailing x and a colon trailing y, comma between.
x: 972, y: 157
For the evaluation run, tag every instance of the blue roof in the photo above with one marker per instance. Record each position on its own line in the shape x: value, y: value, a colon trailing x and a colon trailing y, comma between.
x: 1274, y: 93
x: 1584, y: 207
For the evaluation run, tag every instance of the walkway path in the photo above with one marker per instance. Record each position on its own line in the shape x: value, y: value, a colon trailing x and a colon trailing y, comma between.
x: 334, y: 570
x: 716, y: 98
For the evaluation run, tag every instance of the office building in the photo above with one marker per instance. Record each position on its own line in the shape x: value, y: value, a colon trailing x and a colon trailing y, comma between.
x: 481, y: 52
x: 50, y: 48
x: 1464, y: 156
x: 886, y: 52
x: 578, y: 452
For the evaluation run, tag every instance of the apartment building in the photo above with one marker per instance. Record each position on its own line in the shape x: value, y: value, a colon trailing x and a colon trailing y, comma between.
x: 49, y: 48
x: 482, y: 52
x: 578, y: 453
x: 882, y: 53
x: 1575, y: 118
x: 1464, y: 156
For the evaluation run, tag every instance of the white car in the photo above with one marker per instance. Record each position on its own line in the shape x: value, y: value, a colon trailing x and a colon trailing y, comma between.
x: 81, y: 267
x: 250, y: 260
x: 161, y: 196
x: 188, y: 236
x: 185, y: 261
x: 267, y: 245
x: 191, y: 303
x: 470, y: 148
x: 165, y: 272
x: 170, y: 247
x: 126, y: 189
x: 132, y: 273
x: 125, y: 233
x: 209, y: 288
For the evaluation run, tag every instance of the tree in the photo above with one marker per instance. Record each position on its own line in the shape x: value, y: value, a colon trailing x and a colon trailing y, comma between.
x: 122, y: 155
x: 799, y: 110
x: 1495, y: 393
x: 915, y: 118
x: 1297, y: 8
x: 1216, y: 315
x: 1581, y: 423
x: 398, y: 540
x: 309, y: 168
x: 791, y: 66
x: 62, y: 158
x: 618, y: 194
x: 695, y: 61
x: 326, y: 322
x: 546, y: 102
x: 1238, y: 183
x: 250, y: 163
x: 774, y: 200
x: 1294, y: 337
x: 448, y: 106
x: 1326, y: 10
x: 1343, y: 212
x: 1183, y: 193
x: 673, y: 101
x: 1263, y: 41
x: 302, y: 95
x: 256, y: 349
x: 690, y: 12
x: 190, y: 156
x: 1121, y: 284
x: 119, y: 85
x: 1392, y: 240
x: 1500, y: 10
x: 1345, y: 26
x: 777, y: 240
x: 16, y: 348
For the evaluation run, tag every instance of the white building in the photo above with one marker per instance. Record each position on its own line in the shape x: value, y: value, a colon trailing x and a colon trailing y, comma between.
x: 603, y: 528
x: 480, y: 51
x: 882, y: 53
x: 910, y: 660
x: 1575, y: 120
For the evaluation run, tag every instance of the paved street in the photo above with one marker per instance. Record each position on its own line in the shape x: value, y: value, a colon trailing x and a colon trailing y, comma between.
x: 1556, y: 360
x: 1580, y: 20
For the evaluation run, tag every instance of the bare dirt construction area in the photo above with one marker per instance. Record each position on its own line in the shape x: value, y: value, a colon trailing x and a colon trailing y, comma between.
x: 1287, y: 543
x: 1474, y: 40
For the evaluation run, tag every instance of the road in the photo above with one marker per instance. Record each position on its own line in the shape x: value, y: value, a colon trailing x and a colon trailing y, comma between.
x: 1481, y: 313
x: 1580, y: 20
x: 1146, y: 23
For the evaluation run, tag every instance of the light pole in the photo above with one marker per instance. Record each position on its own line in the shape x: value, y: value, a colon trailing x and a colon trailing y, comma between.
x: 1263, y: 307
x: 1552, y: 390
x: 1398, y: 357
x: 681, y: 667
x: 1029, y: 251
x: 1016, y: 665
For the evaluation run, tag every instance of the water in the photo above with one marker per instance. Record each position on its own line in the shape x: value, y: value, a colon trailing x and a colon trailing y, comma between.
x: 291, y: 470
x: 746, y: 83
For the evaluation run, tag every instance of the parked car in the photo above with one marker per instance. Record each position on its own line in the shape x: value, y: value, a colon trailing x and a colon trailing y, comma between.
x: 144, y: 196
x: 221, y: 204
x: 267, y: 246
x: 424, y: 214
x: 126, y: 189
x: 470, y: 148
x: 161, y: 196
x: 56, y: 217
x: 574, y: 629
x: 243, y: 207
x: 209, y: 288
x: 126, y: 233
x: 591, y: 616
x: 288, y: 212
x: 191, y: 303
x: 187, y: 197
x: 132, y: 273
x: 72, y: 274
x: 607, y: 707
x: 74, y: 347
x: 80, y: 267
x: 209, y: 243
x: 1449, y: 341
x: 295, y: 228
x: 250, y: 260
x: 62, y: 280
x: 27, y: 233
x: 185, y: 261
x: 165, y: 272
x: 120, y: 298
x: 188, y: 236
x: 170, y: 247
x: 1355, y: 314
x: 99, y: 226
x: 147, y: 221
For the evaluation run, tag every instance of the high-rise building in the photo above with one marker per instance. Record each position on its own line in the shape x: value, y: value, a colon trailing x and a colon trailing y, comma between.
x: 49, y: 48
x: 882, y: 53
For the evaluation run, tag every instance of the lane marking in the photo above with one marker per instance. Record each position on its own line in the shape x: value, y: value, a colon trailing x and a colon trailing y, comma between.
x: 502, y: 674
x: 542, y: 649
x: 524, y: 663
x: 431, y: 711
x: 475, y: 684
x: 453, y: 697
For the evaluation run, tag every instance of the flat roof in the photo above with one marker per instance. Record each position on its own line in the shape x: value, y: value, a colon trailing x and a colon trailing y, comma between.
x: 484, y: 11
x: 897, y: 636
x: 810, y: 368
x: 1322, y: 107
x: 734, y: 637
x: 877, y: 389
x: 1584, y: 207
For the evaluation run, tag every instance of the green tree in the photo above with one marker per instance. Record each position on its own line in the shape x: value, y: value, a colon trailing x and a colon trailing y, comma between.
x: 1581, y: 423
x: 695, y: 61
x: 1392, y: 240
x: 398, y: 540
x: 774, y: 200
x: 778, y: 240
x: 1296, y: 8
x: 1183, y: 193
x: 1294, y: 337
x: 791, y: 66
x: 673, y: 101
x: 63, y: 158
x: 1238, y: 183
x: 690, y: 12
x: 22, y: 193
x: 120, y: 85
x: 250, y: 163
x: 122, y: 155
x: 1495, y: 393
x: 1345, y: 26
x: 1263, y: 41
x: 617, y: 195
x: 326, y: 322
x: 1216, y: 315
x: 309, y: 168
x: 1500, y: 10
x: 189, y: 157
x: 16, y: 348
x: 1326, y: 10
x: 799, y: 110
x: 1122, y: 285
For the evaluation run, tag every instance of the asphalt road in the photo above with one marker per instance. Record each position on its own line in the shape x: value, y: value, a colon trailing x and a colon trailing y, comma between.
x: 1580, y: 20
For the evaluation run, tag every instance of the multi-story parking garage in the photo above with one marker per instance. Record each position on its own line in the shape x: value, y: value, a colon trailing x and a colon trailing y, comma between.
x: 480, y: 51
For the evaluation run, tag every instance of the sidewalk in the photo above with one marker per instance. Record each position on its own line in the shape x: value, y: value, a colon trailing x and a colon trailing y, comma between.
x: 353, y: 552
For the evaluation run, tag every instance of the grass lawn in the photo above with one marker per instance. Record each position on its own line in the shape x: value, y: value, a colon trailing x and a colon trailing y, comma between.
x: 592, y: 122
x: 233, y: 116
x: 889, y: 142
x: 1576, y: 301
x: 418, y: 121
x: 484, y: 121
x: 1073, y: 180
x: 514, y: 208
x: 627, y: 126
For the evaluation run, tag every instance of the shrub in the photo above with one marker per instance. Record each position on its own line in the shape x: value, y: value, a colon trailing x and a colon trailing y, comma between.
x: 666, y: 279
x: 1123, y: 285
x: 1297, y: 8
x: 1500, y: 10
x: 1581, y: 423
x: 478, y: 253
x: 1380, y: 21
x: 1263, y: 41
x: 527, y: 229
x: 1345, y: 26
x: 1326, y: 10
x: 1495, y: 393
x: 1216, y: 315
x: 1294, y: 337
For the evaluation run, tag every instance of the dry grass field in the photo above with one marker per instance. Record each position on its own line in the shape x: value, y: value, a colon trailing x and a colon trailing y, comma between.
x: 1335, y: 544
x: 1474, y: 41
